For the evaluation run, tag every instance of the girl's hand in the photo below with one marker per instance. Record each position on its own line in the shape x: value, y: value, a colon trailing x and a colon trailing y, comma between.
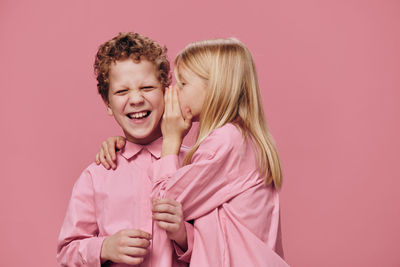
x: 169, y: 216
x: 106, y: 155
x: 127, y: 246
x: 174, y: 125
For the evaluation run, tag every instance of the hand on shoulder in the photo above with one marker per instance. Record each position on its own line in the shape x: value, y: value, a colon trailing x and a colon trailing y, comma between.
x: 107, y: 154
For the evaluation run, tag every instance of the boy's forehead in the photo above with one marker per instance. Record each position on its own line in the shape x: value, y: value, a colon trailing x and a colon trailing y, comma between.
x: 127, y: 69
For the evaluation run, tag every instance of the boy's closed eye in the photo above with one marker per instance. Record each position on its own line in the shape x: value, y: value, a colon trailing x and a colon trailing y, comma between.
x: 147, y: 88
x: 120, y: 92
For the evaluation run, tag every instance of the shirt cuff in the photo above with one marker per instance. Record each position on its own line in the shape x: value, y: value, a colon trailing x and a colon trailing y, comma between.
x: 186, y: 255
x: 94, y: 251
x: 163, y: 168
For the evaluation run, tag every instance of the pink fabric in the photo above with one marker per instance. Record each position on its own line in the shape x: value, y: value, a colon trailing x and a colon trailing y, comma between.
x: 106, y: 201
x: 236, y: 215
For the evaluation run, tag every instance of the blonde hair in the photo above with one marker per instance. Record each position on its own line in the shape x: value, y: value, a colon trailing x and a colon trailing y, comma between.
x: 233, y: 96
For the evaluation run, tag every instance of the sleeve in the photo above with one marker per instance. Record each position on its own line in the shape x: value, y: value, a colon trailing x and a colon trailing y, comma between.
x: 78, y: 242
x: 204, y: 184
x: 186, y: 255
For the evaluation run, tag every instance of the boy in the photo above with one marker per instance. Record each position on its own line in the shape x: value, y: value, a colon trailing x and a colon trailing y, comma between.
x: 109, y: 218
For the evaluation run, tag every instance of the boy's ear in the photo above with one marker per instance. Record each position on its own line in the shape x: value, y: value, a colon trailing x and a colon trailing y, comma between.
x: 109, y: 110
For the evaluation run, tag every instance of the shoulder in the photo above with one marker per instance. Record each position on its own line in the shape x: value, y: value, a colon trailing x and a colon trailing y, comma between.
x: 93, y: 169
x: 228, y: 131
x: 92, y: 173
x: 223, y: 139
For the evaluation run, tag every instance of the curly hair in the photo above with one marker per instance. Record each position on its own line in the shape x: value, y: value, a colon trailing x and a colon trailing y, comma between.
x: 136, y: 47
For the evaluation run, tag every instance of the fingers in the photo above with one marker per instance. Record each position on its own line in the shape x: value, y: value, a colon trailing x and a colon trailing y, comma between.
x: 169, y: 227
x: 168, y: 102
x: 114, y: 144
x: 172, y: 107
x: 105, y: 148
x: 167, y: 210
x: 166, y: 217
x: 107, y: 155
x: 167, y: 205
x: 111, y: 147
x: 137, y: 233
x: 126, y: 246
x: 175, y: 101
x: 97, y: 159
x: 103, y: 159
x: 120, y: 142
x: 137, y: 242
x: 131, y: 260
x: 134, y: 251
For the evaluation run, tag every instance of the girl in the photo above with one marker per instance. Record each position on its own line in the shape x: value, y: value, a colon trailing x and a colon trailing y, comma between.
x: 229, y: 179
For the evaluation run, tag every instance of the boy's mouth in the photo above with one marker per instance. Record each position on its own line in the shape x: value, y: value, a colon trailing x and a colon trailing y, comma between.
x: 138, y: 115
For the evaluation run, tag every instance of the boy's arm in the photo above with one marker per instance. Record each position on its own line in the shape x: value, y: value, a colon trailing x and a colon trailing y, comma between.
x: 78, y: 242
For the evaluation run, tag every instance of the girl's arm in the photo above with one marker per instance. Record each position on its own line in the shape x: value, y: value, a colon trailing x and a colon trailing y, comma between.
x: 215, y: 175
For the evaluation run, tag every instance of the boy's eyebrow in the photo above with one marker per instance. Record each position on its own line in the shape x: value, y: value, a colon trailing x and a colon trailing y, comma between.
x: 149, y: 82
x: 118, y: 87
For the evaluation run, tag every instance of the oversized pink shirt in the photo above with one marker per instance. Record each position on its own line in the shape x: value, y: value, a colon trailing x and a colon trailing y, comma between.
x: 106, y: 201
x: 236, y: 217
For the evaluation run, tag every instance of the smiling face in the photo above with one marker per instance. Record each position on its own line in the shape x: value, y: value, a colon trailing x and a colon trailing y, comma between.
x: 192, y: 91
x: 136, y: 99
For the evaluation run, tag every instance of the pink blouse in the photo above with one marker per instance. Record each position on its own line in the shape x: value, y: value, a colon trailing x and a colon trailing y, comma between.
x: 236, y: 217
x: 106, y: 201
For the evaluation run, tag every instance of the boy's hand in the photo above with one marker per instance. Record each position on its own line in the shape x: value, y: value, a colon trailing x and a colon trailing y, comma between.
x: 169, y: 216
x: 106, y: 155
x: 126, y: 246
x: 174, y: 125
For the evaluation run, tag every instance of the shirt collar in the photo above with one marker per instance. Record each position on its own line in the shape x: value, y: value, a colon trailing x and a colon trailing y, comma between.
x: 131, y: 149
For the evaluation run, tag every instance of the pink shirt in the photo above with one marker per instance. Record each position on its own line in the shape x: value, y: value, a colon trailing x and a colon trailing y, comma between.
x: 236, y: 215
x: 106, y: 201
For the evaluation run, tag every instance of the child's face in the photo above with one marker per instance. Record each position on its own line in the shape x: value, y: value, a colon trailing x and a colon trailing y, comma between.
x: 136, y: 99
x: 192, y: 91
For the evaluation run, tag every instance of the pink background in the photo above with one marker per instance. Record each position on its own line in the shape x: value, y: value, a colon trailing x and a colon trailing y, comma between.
x: 330, y: 78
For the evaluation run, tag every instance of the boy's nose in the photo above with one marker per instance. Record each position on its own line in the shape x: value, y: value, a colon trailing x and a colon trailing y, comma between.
x: 136, y: 97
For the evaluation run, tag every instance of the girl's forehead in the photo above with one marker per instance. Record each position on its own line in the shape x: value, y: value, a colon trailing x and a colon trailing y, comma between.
x: 183, y: 71
x: 178, y: 72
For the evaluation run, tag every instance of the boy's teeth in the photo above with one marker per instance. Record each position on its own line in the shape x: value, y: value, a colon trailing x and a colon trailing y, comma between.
x: 138, y: 115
